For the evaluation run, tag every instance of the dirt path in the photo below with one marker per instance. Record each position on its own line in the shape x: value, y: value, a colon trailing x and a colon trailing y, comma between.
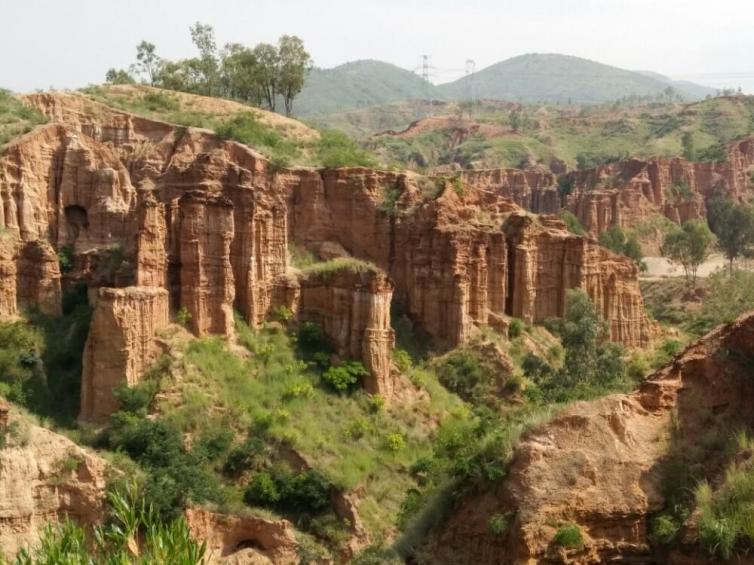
x: 660, y: 267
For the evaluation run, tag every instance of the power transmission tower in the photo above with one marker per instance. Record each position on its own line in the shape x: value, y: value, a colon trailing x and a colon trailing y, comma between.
x: 425, y: 67
x: 470, y: 70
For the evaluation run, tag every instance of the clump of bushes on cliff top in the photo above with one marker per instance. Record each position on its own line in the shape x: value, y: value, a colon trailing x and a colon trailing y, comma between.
x: 247, y: 129
x: 335, y: 149
x: 617, y: 241
x: 16, y: 118
x: 572, y: 223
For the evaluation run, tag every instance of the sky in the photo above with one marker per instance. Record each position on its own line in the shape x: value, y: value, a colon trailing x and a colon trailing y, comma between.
x: 72, y: 43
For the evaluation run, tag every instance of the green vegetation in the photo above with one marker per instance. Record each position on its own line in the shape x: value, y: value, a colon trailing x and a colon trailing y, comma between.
x: 733, y: 224
x: 690, y: 245
x: 247, y: 129
x: 336, y: 149
x: 32, y: 352
x: 130, y: 524
x: 572, y: 223
x: 569, y: 536
x: 617, y: 241
x: 16, y: 118
x: 265, y: 74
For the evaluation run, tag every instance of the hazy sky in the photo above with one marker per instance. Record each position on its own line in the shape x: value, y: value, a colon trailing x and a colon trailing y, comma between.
x: 71, y: 43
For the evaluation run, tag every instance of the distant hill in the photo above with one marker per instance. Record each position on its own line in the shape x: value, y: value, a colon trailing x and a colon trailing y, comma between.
x: 356, y: 85
x: 560, y: 78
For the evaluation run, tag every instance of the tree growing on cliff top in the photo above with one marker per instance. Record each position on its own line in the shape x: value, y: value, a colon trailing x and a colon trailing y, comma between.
x: 689, y: 246
x: 262, y: 75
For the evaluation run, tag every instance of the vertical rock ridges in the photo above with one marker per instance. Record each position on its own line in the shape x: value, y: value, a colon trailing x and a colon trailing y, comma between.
x: 353, y: 307
x: 206, y: 275
x: 120, y: 345
x: 208, y: 221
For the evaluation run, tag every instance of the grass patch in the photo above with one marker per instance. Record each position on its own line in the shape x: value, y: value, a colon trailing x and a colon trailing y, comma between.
x: 15, y: 118
x: 329, y: 268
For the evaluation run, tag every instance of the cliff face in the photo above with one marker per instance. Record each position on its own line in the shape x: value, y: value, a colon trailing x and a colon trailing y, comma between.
x: 536, y: 191
x: 38, y: 484
x: 353, y: 308
x: 206, y: 220
x: 600, y: 464
x: 120, y: 345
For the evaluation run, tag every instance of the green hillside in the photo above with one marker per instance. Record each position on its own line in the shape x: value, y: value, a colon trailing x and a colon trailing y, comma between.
x: 356, y: 85
x: 545, y: 134
x: 562, y: 78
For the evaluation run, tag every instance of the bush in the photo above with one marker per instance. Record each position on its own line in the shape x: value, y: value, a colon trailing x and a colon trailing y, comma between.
x: 569, y: 536
x: 395, y: 442
x: 301, y: 494
x: 183, y: 316
x: 344, y: 376
x: 572, y: 223
x: 462, y: 372
x: 665, y: 528
x: 498, y: 524
x: 402, y: 360
x: 335, y: 149
x: 65, y: 258
x: 244, y: 457
x: 247, y: 129
x: 516, y: 328
x: 262, y: 491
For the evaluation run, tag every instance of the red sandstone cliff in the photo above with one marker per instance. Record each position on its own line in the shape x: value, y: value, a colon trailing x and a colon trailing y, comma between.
x: 599, y: 464
x: 206, y: 220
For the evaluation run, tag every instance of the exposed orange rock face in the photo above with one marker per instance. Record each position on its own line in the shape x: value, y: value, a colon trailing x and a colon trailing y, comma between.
x: 243, y: 539
x: 599, y: 464
x: 36, y: 488
x: 207, y: 286
x: 354, y: 310
x: 207, y: 220
x: 120, y: 345
x: 536, y: 191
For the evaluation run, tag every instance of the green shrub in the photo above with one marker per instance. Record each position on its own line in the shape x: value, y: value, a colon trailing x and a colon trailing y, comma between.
x: 569, y: 536
x: 395, y: 442
x: 244, y: 457
x: 498, y: 524
x: 65, y: 258
x: 572, y: 223
x: 306, y: 493
x: 402, y: 360
x: 247, y: 129
x: 136, y: 399
x: 664, y: 529
x: 516, y: 328
x: 463, y: 371
x: 262, y: 491
x: 344, y: 376
x: 358, y: 429
x: 335, y: 149
x: 311, y: 339
x: 183, y: 316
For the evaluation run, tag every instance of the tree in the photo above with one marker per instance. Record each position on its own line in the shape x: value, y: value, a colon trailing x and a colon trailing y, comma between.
x: 294, y: 64
x: 239, y: 74
x: 590, y: 358
x: 118, y: 76
x: 733, y: 224
x: 268, y: 58
x: 689, y: 246
x: 616, y: 240
x: 687, y: 141
x: 203, y: 37
x: 147, y: 61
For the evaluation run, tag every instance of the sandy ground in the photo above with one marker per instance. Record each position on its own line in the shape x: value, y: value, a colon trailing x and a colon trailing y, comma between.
x: 660, y: 267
